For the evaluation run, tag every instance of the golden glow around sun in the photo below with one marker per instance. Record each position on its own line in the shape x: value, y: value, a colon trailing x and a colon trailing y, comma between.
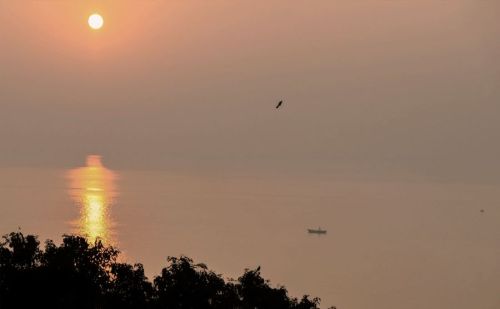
x: 96, y: 21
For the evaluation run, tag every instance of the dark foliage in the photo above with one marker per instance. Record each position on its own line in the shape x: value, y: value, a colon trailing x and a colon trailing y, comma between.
x: 79, y: 274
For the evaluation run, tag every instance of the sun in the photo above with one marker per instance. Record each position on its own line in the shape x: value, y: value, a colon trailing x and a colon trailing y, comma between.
x: 96, y: 21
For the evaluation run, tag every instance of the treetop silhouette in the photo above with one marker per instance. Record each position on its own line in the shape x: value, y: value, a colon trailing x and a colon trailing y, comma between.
x: 79, y: 274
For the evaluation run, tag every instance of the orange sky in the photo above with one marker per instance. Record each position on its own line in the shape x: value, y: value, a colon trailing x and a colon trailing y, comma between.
x: 378, y: 88
x: 387, y: 137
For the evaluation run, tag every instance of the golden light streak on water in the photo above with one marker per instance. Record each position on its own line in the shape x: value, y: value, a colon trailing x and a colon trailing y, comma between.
x: 93, y: 190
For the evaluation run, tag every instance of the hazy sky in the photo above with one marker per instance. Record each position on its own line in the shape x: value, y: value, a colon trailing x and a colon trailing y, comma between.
x: 383, y: 99
x: 372, y: 88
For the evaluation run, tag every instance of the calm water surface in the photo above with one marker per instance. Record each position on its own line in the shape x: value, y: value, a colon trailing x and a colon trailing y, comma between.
x: 92, y: 188
x: 390, y: 245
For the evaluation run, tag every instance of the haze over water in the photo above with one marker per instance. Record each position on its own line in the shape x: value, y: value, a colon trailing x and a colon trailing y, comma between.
x: 388, y: 138
x: 389, y: 244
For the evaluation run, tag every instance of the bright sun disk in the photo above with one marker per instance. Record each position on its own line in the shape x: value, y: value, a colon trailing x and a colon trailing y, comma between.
x: 96, y: 21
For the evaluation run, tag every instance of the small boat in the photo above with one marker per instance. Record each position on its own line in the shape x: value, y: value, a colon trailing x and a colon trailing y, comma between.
x: 318, y: 231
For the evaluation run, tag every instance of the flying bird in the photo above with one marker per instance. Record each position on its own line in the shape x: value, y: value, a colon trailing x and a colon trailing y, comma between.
x: 279, y: 104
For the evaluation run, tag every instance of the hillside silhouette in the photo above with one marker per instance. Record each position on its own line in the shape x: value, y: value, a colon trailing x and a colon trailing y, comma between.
x: 80, y: 274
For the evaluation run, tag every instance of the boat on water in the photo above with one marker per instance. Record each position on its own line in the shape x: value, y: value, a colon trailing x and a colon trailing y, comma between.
x: 318, y: 231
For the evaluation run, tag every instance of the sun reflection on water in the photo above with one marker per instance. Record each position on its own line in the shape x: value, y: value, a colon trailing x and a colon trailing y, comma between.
x: 93, y: 189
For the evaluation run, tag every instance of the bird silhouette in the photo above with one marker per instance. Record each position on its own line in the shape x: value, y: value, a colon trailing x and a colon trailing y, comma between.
x: 279, y: 104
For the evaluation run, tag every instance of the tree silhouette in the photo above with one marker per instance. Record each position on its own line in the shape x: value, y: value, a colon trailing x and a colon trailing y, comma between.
x: 19, y: 273
x: 183, y: 285
x: 130, y: 288
x: 255, y: 292
x: 78, y: 271
x: 79, y: 274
